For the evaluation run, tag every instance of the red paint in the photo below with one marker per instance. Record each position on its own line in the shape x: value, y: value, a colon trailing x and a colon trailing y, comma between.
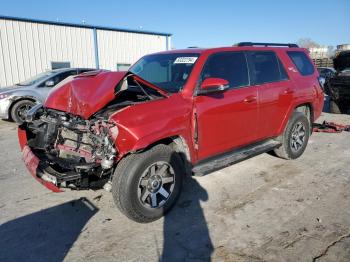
x: 85, y: 95
x: 32, y: 163
x: 224, y: 120
x: 227, y: 120
x: 213, y: 82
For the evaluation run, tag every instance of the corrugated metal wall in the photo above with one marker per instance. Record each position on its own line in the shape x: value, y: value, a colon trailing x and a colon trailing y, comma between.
x: 28, y: 48
x: 126, y: 48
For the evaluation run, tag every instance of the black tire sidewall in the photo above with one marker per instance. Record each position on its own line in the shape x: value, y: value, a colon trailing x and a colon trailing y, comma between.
x: 15, y: 107
x: 334, y: 107
x: 297, y: 117
x: 130, y: 183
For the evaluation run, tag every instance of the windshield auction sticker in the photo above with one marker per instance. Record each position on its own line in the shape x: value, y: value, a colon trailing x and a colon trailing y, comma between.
x: 185, y: 60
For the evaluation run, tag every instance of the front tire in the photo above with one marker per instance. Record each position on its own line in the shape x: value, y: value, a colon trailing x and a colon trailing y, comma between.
x: 295, y: 137
x: 146, y: 185
x: 19, y: 110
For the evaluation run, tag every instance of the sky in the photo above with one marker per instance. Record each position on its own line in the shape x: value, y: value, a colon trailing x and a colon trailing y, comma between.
x: 207, y: 23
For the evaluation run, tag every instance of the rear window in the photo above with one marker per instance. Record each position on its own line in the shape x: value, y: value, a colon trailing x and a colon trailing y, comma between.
x: 265, y: 67
x: 302, y: 62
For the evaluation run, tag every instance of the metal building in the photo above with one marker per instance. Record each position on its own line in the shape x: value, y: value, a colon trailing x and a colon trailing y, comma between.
x: 28, y: 47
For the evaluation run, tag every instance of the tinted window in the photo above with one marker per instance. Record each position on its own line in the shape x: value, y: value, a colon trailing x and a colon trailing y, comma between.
x: 231, y: 66
x: 302, y: 62
x: 60, y: 77
x: 167, y: 71
x: 283, y: 72
x: 265, y: 67
x: 63, y: 76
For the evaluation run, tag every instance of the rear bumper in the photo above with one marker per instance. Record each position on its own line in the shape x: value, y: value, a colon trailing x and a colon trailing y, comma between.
x: 32, y: 161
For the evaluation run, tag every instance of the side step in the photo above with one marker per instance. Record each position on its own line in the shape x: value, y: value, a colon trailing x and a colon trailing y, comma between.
x: 215, y: 163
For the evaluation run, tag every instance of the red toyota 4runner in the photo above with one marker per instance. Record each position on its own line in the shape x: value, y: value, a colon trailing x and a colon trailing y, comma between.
x: 138, y: 133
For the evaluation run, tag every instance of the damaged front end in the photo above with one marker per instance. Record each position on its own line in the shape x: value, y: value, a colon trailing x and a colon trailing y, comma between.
x: 67, y: 150
x: 70, y: 140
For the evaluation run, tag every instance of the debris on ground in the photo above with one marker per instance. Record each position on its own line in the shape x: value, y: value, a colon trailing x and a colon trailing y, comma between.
x: 330, y: 127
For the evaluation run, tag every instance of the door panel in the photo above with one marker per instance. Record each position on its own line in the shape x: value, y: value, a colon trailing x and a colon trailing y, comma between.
x: 226, y: 120
x: 275, y: 91
x: 274, y: 101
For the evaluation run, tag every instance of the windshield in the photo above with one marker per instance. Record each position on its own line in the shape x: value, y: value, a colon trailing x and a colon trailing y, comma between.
x: 167, y: 71
x: 36, y: 79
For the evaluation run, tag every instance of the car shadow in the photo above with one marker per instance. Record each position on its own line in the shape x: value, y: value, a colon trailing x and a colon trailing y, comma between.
x: 46, y: 235
x: 185, y: 229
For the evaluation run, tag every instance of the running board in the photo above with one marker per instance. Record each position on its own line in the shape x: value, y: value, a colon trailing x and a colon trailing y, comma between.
x: 215, y: 163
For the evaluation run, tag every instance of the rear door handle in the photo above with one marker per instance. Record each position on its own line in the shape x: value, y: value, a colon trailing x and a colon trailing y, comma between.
x: 249, y: 99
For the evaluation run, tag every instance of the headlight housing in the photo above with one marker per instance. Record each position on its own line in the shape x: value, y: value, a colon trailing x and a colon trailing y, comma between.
x: 2, y: 96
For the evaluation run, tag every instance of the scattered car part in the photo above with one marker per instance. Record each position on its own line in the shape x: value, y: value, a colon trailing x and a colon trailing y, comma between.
x: 330, y: 127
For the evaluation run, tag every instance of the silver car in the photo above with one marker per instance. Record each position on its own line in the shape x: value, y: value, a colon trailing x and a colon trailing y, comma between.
x: 16, y: 100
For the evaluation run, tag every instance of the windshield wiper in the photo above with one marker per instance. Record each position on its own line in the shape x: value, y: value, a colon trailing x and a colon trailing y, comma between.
x: 143, y: 90
x: 150, y: 85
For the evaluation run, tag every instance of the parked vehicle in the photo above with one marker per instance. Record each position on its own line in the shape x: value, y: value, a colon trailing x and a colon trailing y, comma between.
x: 326, y: 72
x: 338, y: 86
x: 178, y: 112
x: 16, y: 100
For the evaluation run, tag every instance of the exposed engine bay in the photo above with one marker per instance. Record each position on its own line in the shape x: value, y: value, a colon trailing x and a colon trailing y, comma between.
x: 80, y: 153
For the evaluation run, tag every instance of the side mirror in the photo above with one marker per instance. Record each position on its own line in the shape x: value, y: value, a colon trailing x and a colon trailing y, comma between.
x: 213, y: 85
x: 49, y: 83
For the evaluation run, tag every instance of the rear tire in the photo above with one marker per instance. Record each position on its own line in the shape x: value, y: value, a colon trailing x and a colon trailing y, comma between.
x: 146, y: 185
x: 295, y: 137
x: 334, y: 107
x: 20, y: 109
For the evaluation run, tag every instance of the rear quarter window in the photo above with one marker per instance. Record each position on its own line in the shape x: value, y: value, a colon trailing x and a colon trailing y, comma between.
x: 265, y: 67
x: 302, y: 62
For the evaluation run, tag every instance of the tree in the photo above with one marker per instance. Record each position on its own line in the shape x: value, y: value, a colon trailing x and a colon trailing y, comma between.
x: 307, y: 43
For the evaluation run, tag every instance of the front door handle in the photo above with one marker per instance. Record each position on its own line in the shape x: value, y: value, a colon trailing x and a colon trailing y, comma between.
x: 288, y: 91
x: 249, y: 99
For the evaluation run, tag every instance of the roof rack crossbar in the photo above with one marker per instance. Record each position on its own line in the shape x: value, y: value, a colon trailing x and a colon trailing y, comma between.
x: 265, y: 44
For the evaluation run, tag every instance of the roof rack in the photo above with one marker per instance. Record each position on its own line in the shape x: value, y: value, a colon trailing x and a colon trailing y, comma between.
x: 265, y: 44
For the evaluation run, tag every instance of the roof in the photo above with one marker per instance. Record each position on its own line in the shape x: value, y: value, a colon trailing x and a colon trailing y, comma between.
x: 228, y: 48
x: 179, y: 51
x: 39, y: 21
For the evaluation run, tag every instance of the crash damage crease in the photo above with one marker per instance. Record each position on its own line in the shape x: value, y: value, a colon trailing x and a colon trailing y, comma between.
x: 76, y: 149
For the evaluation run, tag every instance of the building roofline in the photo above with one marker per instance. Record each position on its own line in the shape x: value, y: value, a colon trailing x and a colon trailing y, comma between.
x: 39, y: 21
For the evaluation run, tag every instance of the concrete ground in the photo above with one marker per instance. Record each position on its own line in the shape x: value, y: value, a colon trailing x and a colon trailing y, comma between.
x: 262, y: 209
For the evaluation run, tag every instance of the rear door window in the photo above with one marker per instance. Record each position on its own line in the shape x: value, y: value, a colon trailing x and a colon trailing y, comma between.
x: 60, y: 77
x: 302, y: 62
x: 231, y: 66
x: 265, y: 67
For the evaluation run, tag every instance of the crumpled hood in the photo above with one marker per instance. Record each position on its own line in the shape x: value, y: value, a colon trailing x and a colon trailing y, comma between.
x: 84, y: 94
